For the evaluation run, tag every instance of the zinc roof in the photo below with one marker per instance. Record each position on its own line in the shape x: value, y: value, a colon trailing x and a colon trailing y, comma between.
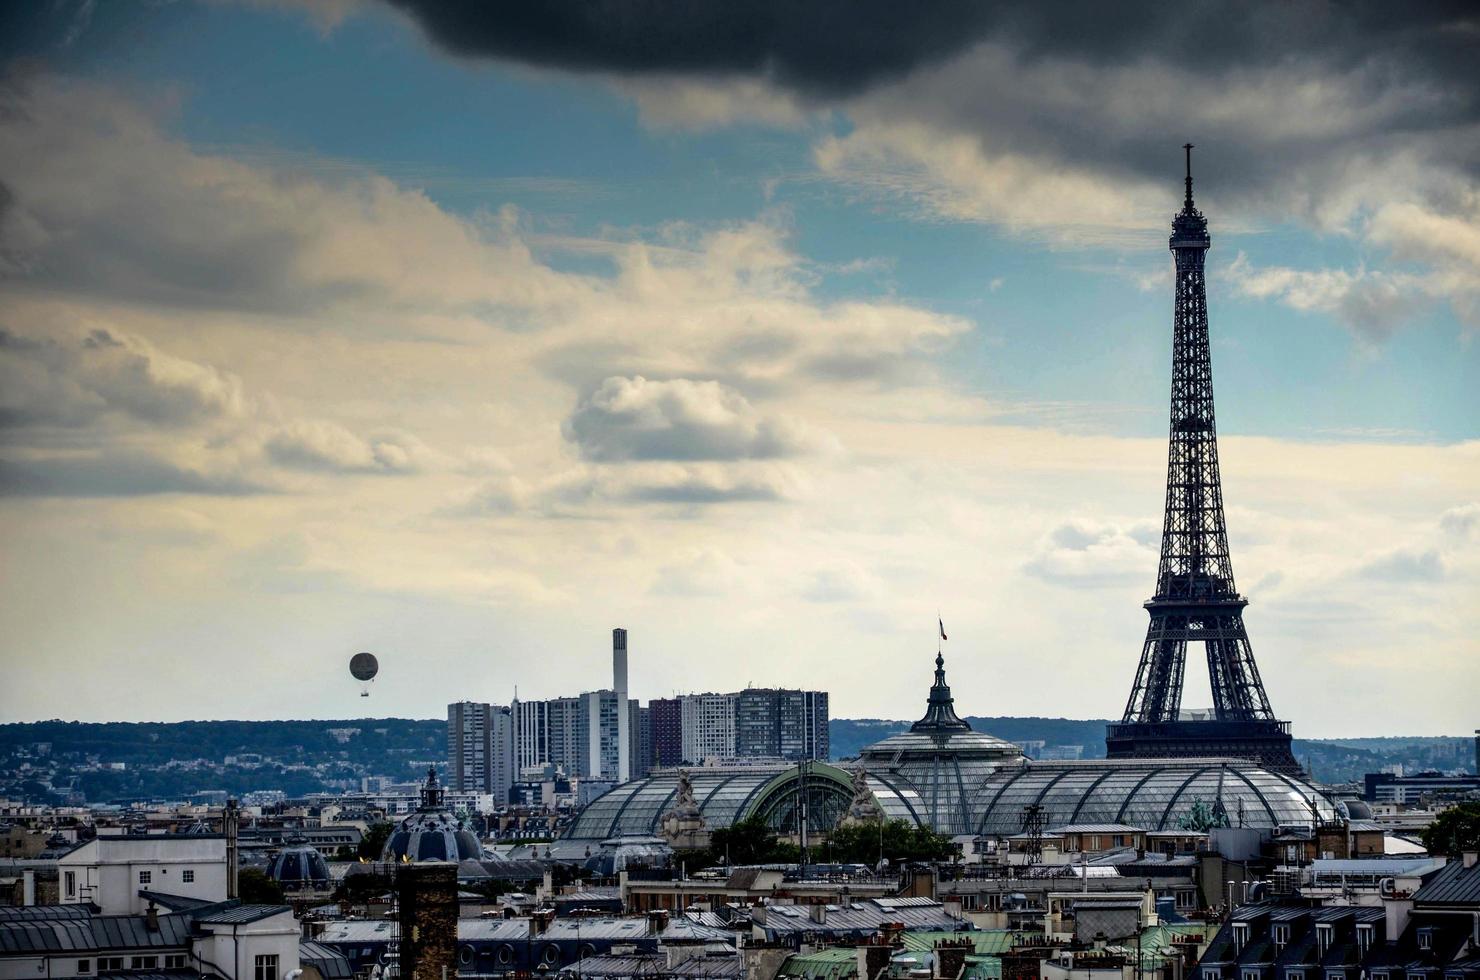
x: 1455, y: 884
x: 242, y: 914
x: 93, y: 934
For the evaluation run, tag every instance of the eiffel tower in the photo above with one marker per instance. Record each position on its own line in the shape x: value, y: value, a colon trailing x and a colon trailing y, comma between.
x: 1195, y: 600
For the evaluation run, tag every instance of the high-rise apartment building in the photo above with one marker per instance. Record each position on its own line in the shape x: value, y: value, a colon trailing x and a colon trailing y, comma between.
x: 708, y: 726
x: 480, y: 748
x: 783, y: 724
x: 565, y: 734
x: 803, y: 725
x: 757, y: 722
x: 639, y: 736
x: 604, y: 722
x: 665, y: 732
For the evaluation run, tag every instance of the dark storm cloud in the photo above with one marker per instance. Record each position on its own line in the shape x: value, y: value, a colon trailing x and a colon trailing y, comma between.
x: 1300, y: 106
x: 831, y: 47
x: 839, y: 47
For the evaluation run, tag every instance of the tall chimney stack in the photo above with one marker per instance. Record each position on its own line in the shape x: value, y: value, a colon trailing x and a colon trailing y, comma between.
x: 619, y: 662
x: 230, y: 824
x: 624, y: 722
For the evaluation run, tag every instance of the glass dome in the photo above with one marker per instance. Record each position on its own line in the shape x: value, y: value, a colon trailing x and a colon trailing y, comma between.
x: 725, y: 795
x: 928, y: 774
x: 1154, y: 794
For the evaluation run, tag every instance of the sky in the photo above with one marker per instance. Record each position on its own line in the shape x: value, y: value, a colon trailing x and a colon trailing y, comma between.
x: 770, y: 332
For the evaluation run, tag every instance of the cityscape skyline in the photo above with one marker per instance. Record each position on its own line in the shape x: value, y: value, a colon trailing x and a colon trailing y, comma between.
x: 323, y: 333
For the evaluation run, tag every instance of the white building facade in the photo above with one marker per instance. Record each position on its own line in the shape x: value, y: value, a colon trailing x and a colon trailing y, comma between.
x: 110, y: 872
x: 708, y: 724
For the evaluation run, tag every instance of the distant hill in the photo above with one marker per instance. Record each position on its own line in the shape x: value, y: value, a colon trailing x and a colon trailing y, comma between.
x: 115, y: 762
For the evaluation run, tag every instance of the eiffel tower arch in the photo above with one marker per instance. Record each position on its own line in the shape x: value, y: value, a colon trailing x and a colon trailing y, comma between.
x: 1196, y: 601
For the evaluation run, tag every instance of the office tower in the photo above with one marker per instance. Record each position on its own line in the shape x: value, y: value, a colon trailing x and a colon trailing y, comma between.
x: 531, y: 733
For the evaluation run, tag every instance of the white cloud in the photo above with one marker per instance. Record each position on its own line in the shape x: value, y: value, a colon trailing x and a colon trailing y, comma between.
x: 1371, y: 303
x: 634, y: 418
x: 1084, y: 552
x: 710, y: 104
x: 1401, y: 566
x: 69, y: 381
x: 1460, y: 522
x: 322, y: 445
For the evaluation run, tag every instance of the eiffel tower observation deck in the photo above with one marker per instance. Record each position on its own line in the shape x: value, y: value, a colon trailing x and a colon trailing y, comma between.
x: 1196, y: 601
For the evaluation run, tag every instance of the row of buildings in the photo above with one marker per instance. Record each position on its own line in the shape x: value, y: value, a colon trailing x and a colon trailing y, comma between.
x: 606, y: 736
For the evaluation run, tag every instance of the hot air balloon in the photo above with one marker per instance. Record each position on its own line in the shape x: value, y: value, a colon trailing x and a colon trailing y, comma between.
x: 364, y: 667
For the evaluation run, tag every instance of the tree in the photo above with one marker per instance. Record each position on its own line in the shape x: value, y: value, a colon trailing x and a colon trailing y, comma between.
x: 1454, y: 831
x: 374, y: 840
x: 256, y: 888
x: 898, y: 840
x: 749, y: 841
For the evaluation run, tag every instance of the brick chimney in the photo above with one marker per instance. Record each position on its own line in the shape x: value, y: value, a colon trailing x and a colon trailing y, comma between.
x: 427, y: 896
x: 950, y: 957
x: 873, y: 959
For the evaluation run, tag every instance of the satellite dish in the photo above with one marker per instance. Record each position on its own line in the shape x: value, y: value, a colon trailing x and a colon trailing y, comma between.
x: 364, y: 667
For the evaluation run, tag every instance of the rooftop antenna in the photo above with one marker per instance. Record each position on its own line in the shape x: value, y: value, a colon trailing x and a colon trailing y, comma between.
x: 1188, y: 148
x: 1033, y: 821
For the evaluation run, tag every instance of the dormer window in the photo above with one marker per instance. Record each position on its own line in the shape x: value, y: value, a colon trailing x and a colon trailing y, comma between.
x: 1324, y: 933
x: 1426, y: 937
x: 1281, y: 934
x: 1240, y: 936
x: 1364, y: 937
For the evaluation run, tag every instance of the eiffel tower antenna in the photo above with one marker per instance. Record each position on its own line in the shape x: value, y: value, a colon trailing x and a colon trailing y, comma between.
x: 1196, y: 600
x: 1187, y: 205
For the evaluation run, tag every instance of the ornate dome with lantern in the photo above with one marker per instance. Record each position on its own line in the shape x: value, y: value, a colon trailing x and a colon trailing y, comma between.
x: 926, y: 775
x: 300, y: 866
x: 432, y: 833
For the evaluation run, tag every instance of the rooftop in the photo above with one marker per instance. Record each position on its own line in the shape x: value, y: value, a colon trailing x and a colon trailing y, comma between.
x: 1455, y: 884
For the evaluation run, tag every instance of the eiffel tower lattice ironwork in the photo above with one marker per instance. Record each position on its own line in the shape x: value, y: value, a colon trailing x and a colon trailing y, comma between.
x: 1196, y: 601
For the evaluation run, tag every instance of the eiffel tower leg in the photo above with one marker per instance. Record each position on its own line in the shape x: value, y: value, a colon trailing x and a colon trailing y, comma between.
x: 1226, y: 701
x: 1157, y: 694
x: 1243, y: 693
